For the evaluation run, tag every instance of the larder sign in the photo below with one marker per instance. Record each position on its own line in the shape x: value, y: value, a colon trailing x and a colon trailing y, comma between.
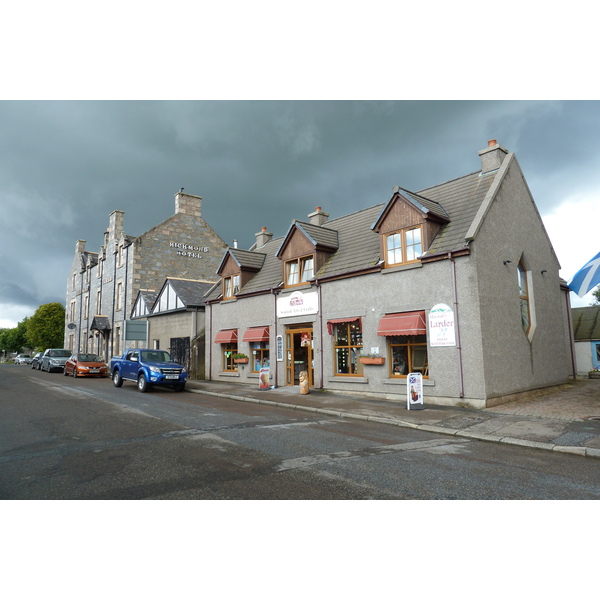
x: 441, y: 326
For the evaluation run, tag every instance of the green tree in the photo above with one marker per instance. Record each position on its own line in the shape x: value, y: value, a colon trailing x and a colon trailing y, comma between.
x: 15, y: 339
x: 46, y: 328
x: 596, y: 294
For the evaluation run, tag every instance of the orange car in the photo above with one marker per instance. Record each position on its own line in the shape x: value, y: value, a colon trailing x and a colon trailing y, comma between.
x: 86, y: 364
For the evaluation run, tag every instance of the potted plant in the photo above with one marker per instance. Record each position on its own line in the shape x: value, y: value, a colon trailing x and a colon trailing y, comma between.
x: 371, y: 359
x: 594, y: 373
x: 240, y: 359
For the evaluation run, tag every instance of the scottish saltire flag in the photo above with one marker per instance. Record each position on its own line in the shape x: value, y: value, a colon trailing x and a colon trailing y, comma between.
x: 587, y: 278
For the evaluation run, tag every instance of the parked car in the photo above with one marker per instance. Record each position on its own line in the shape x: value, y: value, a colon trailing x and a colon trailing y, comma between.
x: 54, y: 359
x: 36, y: 360
x: 22, y: 359
x: 148, y: 368
x: 86, y: 365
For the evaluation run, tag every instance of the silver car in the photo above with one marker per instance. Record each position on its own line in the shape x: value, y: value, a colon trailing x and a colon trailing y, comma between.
x: 54, y: 359
x: 22, y: 359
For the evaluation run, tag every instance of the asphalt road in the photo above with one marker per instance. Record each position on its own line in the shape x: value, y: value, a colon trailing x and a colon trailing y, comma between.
x: 65, y: 438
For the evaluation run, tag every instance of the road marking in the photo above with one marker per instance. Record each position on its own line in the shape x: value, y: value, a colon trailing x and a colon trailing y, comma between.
x: 307, y: 461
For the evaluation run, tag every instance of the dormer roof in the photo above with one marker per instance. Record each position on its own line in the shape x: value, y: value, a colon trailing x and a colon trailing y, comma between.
x: 246, y: 260
x: 322, y: 238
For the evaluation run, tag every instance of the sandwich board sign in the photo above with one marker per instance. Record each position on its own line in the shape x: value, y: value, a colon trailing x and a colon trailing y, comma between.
x: 414, y: 391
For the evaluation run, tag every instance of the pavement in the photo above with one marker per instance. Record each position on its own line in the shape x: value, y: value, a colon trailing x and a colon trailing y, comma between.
x: 564, y: 418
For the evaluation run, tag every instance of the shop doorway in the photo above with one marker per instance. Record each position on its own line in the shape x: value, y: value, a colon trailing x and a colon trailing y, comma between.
x: 299, y: 354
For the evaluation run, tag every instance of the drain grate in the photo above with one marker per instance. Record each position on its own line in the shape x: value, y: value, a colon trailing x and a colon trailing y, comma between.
x: 591, y: 418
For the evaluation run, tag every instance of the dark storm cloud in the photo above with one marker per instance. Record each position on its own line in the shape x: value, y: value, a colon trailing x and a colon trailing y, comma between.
x: 67, y: 165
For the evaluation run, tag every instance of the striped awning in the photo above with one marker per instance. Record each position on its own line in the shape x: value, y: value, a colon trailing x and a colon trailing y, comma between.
x: 407, y: 323
x: 226, y: 336
x: 332, y: 322
x: 256, y: 334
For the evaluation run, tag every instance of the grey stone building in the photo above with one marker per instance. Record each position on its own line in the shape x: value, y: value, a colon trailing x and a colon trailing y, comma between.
x: 457, y: 282
x: 103, y: 286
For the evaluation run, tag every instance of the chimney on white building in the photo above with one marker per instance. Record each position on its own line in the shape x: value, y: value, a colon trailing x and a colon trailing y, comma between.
x: 318, y: 217
x: 80, y: 246
x: 492, y: 156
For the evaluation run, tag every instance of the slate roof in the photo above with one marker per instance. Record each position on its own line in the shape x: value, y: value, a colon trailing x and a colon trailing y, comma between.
x: 247, y: 259
x: 190, y: 292
x: 358, y: 246
x: 586, y: 323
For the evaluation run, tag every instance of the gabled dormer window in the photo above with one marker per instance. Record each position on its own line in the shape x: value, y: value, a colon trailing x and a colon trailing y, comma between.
x: 299, y: 271
x: 231, y: 286
x: 403, y: 246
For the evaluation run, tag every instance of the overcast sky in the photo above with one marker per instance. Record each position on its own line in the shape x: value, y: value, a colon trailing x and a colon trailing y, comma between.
x: 66, y: 165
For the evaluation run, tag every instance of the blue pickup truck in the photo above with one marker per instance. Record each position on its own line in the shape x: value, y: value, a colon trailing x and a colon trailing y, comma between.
x: 148, y: 368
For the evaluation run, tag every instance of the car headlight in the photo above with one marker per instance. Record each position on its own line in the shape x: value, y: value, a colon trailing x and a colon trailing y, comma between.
x: 154, y: 370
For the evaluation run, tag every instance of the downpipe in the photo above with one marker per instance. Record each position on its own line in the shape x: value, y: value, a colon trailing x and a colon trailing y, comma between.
x: 461, y: 382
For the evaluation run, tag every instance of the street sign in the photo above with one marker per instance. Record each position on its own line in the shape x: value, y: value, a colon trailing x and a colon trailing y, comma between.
x: 414, y: 391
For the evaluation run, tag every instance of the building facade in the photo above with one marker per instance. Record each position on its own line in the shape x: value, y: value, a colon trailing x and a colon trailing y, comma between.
x: 586, y: 333
x: 457, y: 282
x: 102, y: 287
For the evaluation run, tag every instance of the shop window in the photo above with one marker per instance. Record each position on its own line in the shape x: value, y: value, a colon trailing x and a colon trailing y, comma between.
x: 347, y: 347
x: 299, y: 271
x: 403, y: 246
x: 524, y: 298
x: 231, y: 286
x: 408, y: 354
x: 228, y: 351
x: 260, y: 355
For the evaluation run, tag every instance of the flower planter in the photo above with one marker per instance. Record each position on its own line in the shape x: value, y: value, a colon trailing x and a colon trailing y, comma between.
x: 594, y: 374
x: 240, y: 361
x: 372, y: 360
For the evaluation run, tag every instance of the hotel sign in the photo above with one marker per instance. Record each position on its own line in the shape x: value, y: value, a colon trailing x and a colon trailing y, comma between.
x: 297, y: 304
x: 189, y: 250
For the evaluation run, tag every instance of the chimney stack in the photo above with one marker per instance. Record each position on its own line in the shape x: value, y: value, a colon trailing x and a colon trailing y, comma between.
x: 262, y: 237
x: 80, y: 246
x: 187, y: 204
x: 492, y: 156
x: 318, y: 217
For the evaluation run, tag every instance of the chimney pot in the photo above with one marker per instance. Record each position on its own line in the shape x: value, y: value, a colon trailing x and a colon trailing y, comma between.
x: 492, y: 143
x: 318, y: 217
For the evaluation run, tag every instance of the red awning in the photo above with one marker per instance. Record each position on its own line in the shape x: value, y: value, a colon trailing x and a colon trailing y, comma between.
x: 332, y: 322
x: 256, y: 334
x: 226, y: 336
x: 408, y: 323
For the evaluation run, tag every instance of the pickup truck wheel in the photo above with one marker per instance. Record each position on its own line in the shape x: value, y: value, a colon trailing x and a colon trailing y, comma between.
x: 179, y: 387
x: 142, y: 383
x: 117, y: 379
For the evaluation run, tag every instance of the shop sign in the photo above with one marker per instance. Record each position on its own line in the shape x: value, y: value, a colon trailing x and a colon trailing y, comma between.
x: 263, y: 378
x: 298, y: 303
x: 414, y: 391
x: 279, y: 345
x: 441, y: 326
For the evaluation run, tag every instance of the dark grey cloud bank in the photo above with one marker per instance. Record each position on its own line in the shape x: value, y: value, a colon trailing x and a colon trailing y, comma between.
x: 66, y: 165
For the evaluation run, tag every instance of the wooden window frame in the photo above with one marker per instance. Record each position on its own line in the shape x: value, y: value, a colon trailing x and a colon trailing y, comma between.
x: 301, y: 271
x: 411, y: 343
x: 228, y: 365
x: 230, y: 288
x: 404, y: 246
x: 260, y: 349
x: 352, y: 350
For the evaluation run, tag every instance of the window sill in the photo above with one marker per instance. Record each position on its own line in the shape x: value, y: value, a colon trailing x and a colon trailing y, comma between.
x: 406, y: 267
x: 402, y: 381
x: 344, y: 379
x: 229, y: 374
